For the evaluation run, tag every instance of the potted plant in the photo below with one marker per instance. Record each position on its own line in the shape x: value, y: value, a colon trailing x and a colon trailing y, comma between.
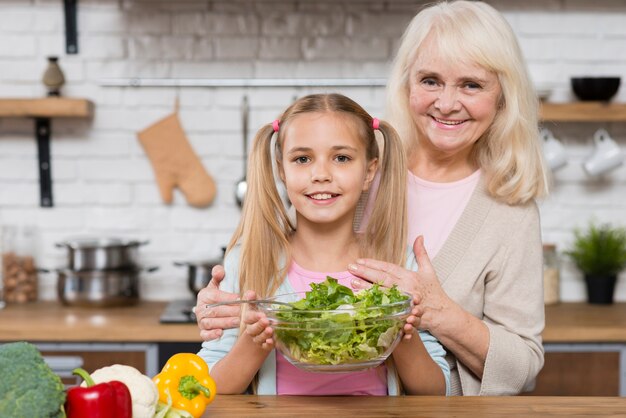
x: 600, y: 253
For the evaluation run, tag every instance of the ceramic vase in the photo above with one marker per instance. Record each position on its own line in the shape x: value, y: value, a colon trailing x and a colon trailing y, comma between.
x: 53, y: 77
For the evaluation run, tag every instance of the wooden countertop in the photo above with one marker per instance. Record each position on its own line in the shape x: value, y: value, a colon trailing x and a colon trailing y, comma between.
x: 582, y: 322
x: 414, y: 406
x: 50, y: 321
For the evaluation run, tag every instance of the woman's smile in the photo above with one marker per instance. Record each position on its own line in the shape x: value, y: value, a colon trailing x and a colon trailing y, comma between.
x: 448, y: 122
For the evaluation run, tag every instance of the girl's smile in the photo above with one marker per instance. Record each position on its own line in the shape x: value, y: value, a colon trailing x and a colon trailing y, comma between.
x: 323, y: 197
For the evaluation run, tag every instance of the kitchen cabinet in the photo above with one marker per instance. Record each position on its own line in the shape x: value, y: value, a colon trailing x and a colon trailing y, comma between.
x: 585, y: 351
x: 64, y: 357
x: 572, y: 370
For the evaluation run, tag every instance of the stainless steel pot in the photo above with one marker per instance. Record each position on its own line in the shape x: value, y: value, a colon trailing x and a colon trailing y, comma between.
x: 101, y: 253
x: 99, y: 288
x: 198, y: 273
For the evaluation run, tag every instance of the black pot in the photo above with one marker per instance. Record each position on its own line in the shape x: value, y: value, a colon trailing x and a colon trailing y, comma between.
x: 600, y: 289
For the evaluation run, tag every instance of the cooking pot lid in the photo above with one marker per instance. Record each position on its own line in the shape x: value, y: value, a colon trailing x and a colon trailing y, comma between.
x: 101, y: 273
x: 198, y: 263
x: 90, y: 242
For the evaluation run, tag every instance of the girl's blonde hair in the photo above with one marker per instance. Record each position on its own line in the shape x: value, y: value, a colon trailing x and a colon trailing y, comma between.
x: 265, y: 226
x: 509, y: 153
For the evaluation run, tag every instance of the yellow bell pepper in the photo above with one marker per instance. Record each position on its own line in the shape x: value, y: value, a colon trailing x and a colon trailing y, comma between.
x: 185, y: 378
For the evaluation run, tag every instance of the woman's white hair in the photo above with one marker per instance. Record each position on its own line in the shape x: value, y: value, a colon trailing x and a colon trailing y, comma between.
x: 509, y: 152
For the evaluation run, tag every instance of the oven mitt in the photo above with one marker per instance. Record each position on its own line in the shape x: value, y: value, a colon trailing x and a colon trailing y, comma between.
x: 175, y: 163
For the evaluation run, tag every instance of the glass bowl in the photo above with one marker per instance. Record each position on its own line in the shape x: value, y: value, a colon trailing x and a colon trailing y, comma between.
x: 347, y: 338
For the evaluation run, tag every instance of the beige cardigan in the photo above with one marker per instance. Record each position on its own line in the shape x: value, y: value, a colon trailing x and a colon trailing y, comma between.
x: 491, y: 265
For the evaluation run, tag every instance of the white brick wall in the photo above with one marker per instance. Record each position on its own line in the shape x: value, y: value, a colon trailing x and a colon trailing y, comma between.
x: 103, y: 184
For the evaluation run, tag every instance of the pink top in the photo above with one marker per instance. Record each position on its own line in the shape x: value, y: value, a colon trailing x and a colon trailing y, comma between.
x: 293, y: 381
x: 435, y: 208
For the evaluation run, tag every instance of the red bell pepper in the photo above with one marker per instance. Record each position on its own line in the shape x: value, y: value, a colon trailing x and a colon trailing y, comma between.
x: 104, y: 400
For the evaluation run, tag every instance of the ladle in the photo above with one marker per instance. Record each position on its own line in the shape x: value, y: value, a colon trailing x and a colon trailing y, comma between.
x: 242, y: 185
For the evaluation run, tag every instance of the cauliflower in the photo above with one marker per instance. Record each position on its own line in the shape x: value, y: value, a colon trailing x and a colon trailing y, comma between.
x: 143, y: 391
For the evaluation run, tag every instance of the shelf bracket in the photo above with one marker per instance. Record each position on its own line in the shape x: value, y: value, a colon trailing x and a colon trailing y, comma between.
x: 42, y: 133
x: 71, y: 27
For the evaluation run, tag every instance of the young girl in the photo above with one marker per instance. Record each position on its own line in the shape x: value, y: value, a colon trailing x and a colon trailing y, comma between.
x: 326, y: 154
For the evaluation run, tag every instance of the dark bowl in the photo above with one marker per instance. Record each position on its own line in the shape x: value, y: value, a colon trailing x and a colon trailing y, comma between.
x: 595, y: 88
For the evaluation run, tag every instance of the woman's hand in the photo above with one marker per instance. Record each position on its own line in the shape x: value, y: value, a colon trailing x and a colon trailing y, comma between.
x: 213, y: 321
x: 432, y: 304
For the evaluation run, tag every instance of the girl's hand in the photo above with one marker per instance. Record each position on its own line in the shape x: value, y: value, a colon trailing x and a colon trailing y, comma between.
x: 258, y: 326
x: 432, y: 304
x: 213, y: 321
x: 412, y: 324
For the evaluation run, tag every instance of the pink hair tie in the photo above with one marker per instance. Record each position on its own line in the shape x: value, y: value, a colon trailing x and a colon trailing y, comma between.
x: 375, y: 123
x: 275, y: 125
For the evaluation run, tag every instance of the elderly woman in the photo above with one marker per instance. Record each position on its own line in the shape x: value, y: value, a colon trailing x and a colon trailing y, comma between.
x: 461, y: 99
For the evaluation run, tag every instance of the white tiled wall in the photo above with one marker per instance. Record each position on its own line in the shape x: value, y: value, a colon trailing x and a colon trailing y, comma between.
x: 103, y: 184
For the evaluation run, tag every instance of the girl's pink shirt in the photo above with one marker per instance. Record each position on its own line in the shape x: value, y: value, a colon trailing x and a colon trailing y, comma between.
x: 435, y: 208
x: 293, y: 381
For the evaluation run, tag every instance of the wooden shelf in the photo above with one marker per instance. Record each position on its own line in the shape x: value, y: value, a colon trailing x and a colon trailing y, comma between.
x: 42, y: 110
x: 53, y: 107
x: 583, y: 112
x: 49, y: 107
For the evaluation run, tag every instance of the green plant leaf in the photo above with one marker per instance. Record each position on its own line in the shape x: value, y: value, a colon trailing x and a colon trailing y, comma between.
x: 599, y: 250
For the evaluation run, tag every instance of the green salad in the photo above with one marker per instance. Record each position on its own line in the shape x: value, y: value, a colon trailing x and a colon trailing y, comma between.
x: 316, y: 331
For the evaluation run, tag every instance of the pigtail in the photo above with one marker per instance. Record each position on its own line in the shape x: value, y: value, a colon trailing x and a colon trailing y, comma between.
x: 264, y: 227
x: 386, y: 228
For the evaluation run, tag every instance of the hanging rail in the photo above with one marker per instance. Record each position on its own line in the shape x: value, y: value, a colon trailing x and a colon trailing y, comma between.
x: 243, y: 82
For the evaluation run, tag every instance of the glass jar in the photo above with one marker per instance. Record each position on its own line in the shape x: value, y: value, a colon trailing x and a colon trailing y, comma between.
x: 551, y: 275
x: 19, y: 269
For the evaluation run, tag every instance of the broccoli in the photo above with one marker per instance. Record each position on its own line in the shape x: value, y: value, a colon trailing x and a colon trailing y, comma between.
x: 28, y: 387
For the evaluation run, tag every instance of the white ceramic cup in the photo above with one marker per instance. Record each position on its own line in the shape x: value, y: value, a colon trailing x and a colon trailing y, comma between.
x: 606, y: 156
x: 553, y: 150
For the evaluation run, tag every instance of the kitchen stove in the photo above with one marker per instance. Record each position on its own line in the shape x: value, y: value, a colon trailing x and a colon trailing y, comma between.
x: 179, y: 312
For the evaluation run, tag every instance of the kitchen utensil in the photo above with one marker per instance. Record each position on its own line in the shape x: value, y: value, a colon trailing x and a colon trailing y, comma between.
x: 101, y: 253
x: 309, y: 338
x: 99, y: 288
x: 198, y: 273
x: 607, y: 155
x: 242, y: 186
x: 595, y: 88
